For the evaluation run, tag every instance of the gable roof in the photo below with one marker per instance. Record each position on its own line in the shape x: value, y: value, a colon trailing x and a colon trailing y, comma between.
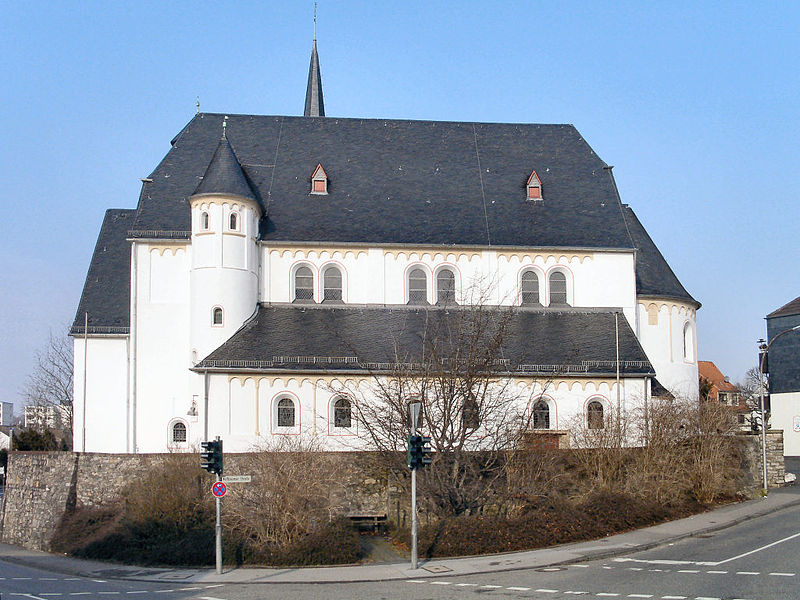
x: 398, y: 182
x: 788, y: 309
x: 106, y: 293
x: 708, y: 370
x: 654, y: 277
x: 370, y: 338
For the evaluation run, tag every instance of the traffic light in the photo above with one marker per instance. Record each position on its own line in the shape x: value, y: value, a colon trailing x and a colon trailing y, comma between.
x: 419, y: 451
x: 212, y: 456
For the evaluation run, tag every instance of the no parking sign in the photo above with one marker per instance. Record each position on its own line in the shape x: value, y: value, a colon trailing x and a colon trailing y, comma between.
x: 219, y: 489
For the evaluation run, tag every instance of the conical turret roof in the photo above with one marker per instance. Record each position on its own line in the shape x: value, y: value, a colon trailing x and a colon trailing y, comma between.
x: 224, y: 174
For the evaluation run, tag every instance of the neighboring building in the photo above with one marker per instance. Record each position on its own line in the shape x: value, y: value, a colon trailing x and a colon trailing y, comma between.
x: 46, y: 416
x: 6, y: 414
x: 783, y: 365
x: 723, y: 392
x: 5, y: 438
x: 274, y: 260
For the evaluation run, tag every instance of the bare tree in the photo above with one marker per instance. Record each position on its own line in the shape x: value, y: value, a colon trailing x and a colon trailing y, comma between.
x: 49, y: 386
x: 455, y: 368
x: 750, y: 389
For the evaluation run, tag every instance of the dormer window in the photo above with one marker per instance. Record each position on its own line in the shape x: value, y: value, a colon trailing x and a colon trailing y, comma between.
x: 319, y: 181
x: 534, y: 187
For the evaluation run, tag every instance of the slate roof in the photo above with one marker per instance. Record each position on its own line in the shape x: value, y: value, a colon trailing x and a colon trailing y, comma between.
x: 106, y: 293
x: 654, y: 277
x: 398, y: 182
x: 224, y: 175
x: 788, y: 309
x: 315, y: 105
x: 369, y: 338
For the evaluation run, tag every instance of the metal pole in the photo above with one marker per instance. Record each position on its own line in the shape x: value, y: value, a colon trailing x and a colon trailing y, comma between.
x: 764, y: 481
x: 414, y: 523
x: 218, y: 528
x: 85, y: 358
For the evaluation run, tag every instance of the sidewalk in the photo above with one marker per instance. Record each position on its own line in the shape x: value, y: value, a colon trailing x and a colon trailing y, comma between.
x: 640, y: 539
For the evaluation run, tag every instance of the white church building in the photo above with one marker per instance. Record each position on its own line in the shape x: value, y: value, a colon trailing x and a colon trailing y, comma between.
x: 273, y: 260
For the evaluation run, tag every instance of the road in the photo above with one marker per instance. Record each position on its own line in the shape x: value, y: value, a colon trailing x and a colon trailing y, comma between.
x: 755, y: 560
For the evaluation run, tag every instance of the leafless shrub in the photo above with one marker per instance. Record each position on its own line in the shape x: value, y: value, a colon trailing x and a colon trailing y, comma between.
x: 292, y: 493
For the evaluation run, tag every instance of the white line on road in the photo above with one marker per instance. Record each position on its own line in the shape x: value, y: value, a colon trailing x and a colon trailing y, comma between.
x: 783, y: 574
x: 546, y: 591
x: 635, y: 569
x: 673, y: 597
x: 492, y: 587
x: 581, y: 566
x: 441, y: 582
x: 717, y: 572
x: 209, y: 597
x: 466, y: 585
x: 705, y: 598
x: 610, y: 594
x: 28, y: 596
x: 748, y: 573
x: 640, y: 595
x: 687, y: 571
x: 137, y: 592
x: 786, y: 539
x: 576, y: 593
x: 518, y: 589
x: 415, y: 581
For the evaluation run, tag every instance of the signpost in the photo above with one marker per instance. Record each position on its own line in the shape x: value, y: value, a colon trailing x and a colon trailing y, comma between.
x: 414, y: 407
x: 237, y: 479
x: 212, y: 462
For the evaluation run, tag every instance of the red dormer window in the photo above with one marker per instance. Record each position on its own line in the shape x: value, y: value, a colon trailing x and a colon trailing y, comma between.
x: 319, y: 181
x: 534, y: 187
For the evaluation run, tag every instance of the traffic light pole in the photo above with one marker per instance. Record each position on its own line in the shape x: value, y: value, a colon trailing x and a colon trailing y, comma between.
x: 218, y: 531
x: 415, y: 408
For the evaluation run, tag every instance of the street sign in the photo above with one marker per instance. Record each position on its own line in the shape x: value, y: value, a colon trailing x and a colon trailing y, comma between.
x: 219, y: 489
x: 237, y: 479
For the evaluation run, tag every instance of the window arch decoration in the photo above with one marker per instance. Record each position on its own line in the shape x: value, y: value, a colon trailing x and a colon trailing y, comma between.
x: 332, y: 283
x: 446, y: 286
x: 652, y: 313
x: 417, y: 280
x: 178, y: 434
x: 286, y: 414
x: 529, y: 288
x: 217, y: 316
x: 233, y: 221
x: 559, y: 287
x: 541, y: 414
x: 596, y: 414
x: 688, y: 342
x: 204, y: 220
x: 303, y: 283
x: 342, y: 415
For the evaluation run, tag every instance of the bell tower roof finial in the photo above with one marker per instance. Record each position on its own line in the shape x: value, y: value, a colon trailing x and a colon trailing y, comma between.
x: 315, y: 106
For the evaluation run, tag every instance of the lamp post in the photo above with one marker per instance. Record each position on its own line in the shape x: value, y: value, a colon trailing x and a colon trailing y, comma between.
x: 764, y: 350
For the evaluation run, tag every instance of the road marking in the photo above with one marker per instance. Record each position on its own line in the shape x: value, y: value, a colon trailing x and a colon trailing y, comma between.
x: 783, y: 574
x: 640, y: 595
x: 748, y: 573
x: 576, y: 593
x: 518, y: 589
x: 21, y: 578
x: 706, y: 598
x: 466, y: 585
x: 635, y: 569
x: 605, y: 567
x: 188, y: 589
x: 673, y: 597
x: 137, y: 592
x: 80, y: 593
x: 415, y: 581
x: 656, y: 561
x: 492, y: 587
x: 28, y: 596
x: 581, y: 566
x: 48, y: 579
x: 786, y: 539
x: 546, y: 591
x: 658, y: 570
x: 52, y: 594
x: 687, y: 571
x: 107, y: 593
x: 717, y: 572
x: 209, y: 597
x: 611, y: 594
x: 441, y: 582
x: 99, y: 580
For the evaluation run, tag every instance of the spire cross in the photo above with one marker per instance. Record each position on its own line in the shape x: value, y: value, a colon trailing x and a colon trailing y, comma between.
x: 315, y: 21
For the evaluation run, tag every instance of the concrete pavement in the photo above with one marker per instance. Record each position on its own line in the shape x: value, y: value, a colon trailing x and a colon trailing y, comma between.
x: 640, y: 539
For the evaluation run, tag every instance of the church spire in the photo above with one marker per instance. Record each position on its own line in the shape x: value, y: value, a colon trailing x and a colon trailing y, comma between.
x: 315, y: 107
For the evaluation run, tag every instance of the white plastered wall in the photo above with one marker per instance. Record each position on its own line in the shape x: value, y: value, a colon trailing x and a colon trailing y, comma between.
x: 668, y: 334
x: 785, y: 415
x: 106, y: 394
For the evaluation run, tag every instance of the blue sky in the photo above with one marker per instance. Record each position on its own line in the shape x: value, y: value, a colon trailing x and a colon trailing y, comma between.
x: 695, y: 104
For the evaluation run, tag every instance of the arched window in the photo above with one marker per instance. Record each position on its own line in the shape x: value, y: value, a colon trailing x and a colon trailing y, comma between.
x: 233, y: 221
x: 204, y: 220
x: 216, y: 316
x: 303, y: 285
x: 688, y: 343
x: 445, y: 287
x: 332, y: 285
x: 652, y: 314
x: 417, y: 287
x: 558, y: 288
x: 530, y: 288
x: 285, y: 412
x: 178, y: 433
x: 594, y: 415
x: 541, y: 415
x: 342, y: 413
